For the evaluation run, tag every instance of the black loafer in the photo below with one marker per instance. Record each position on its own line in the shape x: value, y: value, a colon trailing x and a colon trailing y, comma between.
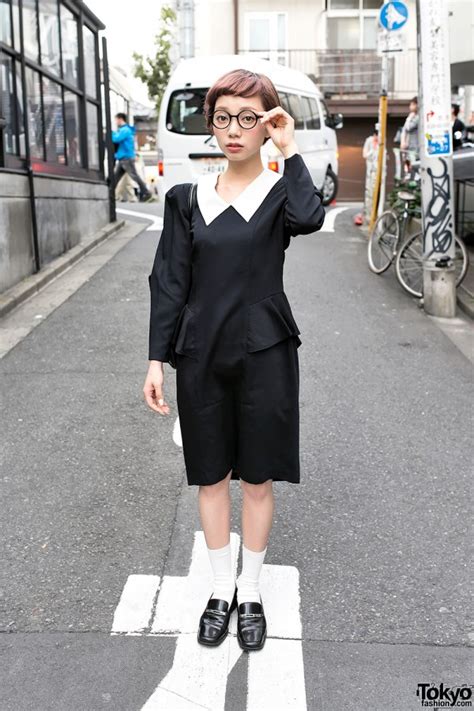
x: 251, y: 625
x: 214, y: 621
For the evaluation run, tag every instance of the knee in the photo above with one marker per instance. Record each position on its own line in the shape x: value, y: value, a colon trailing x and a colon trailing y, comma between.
x: 213, y: 491
x: 256, y: 492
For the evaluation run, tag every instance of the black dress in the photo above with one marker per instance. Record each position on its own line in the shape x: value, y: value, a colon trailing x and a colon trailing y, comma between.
x: 219, y: 314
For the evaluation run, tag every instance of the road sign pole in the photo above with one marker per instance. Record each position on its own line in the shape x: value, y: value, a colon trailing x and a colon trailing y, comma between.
x: 436, y: 158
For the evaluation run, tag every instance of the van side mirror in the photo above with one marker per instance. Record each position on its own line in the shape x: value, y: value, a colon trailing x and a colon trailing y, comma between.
x: 337, y: 120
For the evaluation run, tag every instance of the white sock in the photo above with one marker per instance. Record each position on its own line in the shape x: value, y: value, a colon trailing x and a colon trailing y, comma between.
x: 247, y: 581
x: 224, y: 580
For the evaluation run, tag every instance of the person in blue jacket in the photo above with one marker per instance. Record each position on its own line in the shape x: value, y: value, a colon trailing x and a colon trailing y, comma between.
x: 124, y: 141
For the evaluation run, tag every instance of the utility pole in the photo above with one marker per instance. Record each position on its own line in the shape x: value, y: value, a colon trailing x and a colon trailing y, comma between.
x: 436, y: 158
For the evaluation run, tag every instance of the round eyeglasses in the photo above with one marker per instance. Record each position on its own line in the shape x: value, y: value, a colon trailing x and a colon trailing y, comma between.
x: 245, y: 118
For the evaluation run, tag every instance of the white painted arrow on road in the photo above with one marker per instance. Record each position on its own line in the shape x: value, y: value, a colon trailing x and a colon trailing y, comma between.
x: 198, y: 676
x: 156, y: 222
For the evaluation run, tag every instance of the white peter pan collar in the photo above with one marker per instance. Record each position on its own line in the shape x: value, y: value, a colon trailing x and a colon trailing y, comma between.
x: 211, y: 204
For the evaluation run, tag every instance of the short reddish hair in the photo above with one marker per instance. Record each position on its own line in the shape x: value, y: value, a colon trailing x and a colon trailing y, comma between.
x: 241, y: 82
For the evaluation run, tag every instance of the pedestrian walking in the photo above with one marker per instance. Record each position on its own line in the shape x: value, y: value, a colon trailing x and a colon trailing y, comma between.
x: 409, y: 142
x: 457, y: 126
x: 220, y: 316
x: 124, y: 139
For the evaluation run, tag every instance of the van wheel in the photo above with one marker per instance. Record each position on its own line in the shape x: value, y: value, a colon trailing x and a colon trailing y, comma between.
x: 330, y: 186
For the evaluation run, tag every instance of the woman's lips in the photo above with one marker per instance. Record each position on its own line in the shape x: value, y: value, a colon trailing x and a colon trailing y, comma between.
x: 234, y: 148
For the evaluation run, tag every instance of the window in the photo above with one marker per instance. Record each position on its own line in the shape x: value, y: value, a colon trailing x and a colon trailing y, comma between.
x: 266, y: 35
x: 49, y: 34
x: 352, y: 24
x: 7, y: 102
x: 93, y: 135
x: 53, y: 121
x: 70, y: 46
x: 295, y: 110
x: 5, y: 23
x: 185, y: 112
x: 72, y: 122
x: 311, y: 113
x: 30, y: 30
x: 60, y: 95
x: 34, y: 113
x: 90, y: 68
x: 343, y: 32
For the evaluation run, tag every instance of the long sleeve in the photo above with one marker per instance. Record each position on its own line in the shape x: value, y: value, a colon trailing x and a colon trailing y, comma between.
x: 170, y: 279
x: 304, y: 211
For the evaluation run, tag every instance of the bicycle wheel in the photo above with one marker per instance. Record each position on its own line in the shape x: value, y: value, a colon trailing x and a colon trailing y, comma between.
x: 409, y: 263
x: 461, y: 261
x: 383, y: 241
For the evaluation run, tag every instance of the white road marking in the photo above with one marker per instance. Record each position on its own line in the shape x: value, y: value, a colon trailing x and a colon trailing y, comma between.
x: 156, y: 222
x: 329, y: 220
x: 198, y: 676
x: 133, y: 613
x: 177, y: 438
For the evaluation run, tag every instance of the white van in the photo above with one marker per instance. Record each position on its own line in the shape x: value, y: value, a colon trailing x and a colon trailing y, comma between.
x: 186, y: 149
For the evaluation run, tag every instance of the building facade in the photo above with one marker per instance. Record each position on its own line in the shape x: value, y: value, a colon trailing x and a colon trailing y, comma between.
x: 53, y: 189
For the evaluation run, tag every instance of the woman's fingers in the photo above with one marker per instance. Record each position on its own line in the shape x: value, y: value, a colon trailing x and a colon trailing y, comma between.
x: 154, y: 397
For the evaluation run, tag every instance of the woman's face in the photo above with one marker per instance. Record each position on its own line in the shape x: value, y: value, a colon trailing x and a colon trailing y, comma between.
x: 250, y: 139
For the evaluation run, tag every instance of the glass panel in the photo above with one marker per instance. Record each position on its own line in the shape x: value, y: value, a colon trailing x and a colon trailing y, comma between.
x: 343, y: 32
x: 345, y: 4
x: 16, y: 24
x: 71, y: 111
x: 53, y: 121
x: 259, y: 33
x: 30, y: 29
x: 284, y: 101
x: 7, y: 102
x: 281, y: 31
x: 370, y: 32
x: 92, y: 136
x: 372, y: 4
x: 21, y: 112
x: 185, y: 112
x: 34, y: 117
x: 5, y: 22
x: 49, y: 34
x: 311, y: 114
x: 295, y: 110
x: 70, y: 45
x: 89, y: 62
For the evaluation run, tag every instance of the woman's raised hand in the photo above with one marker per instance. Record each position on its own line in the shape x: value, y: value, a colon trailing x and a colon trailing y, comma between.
x: 153, y: 388
x: 280, y: 126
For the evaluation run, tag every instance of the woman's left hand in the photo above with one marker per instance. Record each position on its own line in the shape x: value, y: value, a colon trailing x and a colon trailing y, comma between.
x: 280, y: 126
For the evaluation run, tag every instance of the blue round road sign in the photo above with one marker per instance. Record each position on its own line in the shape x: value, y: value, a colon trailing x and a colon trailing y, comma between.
x: 393, y: 15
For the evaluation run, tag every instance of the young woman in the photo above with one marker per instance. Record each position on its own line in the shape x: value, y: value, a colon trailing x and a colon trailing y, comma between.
x: 219, y: 314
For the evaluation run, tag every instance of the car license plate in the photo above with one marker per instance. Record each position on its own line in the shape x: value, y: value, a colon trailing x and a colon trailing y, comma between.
x: 212, y: 165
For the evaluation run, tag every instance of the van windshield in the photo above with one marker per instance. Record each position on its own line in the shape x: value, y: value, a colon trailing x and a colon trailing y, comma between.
x: 185, y: 112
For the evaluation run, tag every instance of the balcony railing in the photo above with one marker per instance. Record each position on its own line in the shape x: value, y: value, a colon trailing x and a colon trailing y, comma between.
x: 349, y: 72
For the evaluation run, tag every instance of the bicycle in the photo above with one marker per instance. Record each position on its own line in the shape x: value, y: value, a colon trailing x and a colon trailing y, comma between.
x: 389, y: 231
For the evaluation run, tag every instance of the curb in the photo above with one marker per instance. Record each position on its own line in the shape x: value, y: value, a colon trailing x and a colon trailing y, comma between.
x: 465, y: 301
x: 28, y: 286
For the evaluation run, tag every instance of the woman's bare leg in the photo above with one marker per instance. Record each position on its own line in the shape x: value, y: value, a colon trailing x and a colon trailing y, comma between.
x: 257, y: 514
x: 214, y: 510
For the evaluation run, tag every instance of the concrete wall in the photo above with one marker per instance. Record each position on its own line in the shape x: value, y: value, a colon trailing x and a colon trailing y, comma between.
x: 66, y: 212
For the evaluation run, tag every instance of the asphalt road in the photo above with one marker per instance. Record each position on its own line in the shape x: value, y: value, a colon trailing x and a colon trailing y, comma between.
x: 378, y: 532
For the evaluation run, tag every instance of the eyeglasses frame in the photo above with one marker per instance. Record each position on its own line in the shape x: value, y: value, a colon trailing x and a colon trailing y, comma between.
x: 231, y: 116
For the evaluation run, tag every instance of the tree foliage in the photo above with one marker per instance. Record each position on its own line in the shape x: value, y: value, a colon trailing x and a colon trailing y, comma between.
x: 155, y: 71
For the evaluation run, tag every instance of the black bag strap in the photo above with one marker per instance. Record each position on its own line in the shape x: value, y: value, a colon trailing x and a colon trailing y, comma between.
x: 192, y: 200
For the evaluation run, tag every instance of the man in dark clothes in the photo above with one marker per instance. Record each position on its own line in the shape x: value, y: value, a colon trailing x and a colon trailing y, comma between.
x: 458, y: 127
